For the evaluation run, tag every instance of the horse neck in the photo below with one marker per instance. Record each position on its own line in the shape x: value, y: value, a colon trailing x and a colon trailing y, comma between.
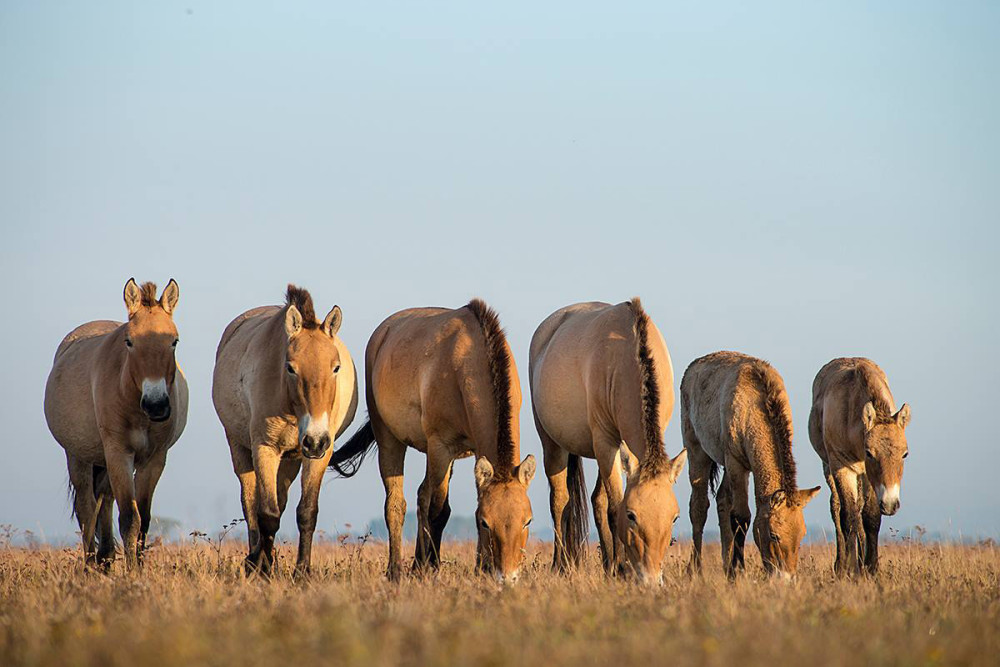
x: 112, y: 363
x: 274, y: 344
x: 765, y: 463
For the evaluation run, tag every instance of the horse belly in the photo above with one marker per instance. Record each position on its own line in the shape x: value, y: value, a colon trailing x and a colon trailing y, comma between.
x: 560, y: 401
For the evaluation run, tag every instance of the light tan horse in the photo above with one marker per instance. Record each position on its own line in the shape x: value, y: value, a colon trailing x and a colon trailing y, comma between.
x: 116, y: 401
x: 444, y: 382
x: 602, y: 388
x: 858, y: 433
x: 735, y: 414
x: 284, y: 388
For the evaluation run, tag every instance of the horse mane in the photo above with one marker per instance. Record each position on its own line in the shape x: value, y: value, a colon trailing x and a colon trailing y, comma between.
x: 649, y: 392
x: 870, y: 385
x: 779, y: 417
x: 498, y: 359
x: 303, y: 302
x: 148, y: 295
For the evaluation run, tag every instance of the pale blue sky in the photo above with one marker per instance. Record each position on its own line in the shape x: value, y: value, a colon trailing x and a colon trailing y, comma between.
x: 791, y: 181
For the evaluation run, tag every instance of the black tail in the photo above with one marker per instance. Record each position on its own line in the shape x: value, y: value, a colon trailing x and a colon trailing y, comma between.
x: 578, y: 519
x: 713, y: 478
x: 354, y: 451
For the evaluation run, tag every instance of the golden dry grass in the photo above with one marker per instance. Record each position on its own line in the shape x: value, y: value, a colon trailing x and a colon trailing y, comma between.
x: 192, y: 606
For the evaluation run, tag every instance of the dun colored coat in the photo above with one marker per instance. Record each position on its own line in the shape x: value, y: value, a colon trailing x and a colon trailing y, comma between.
x: 116, y: 401
x: 735, y: 414
x: 602, y: 388
x: 860, y: 436
x: 284, y: 389
x: 444, y: 382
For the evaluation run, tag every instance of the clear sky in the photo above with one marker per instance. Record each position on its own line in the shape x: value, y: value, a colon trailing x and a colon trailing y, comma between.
x: 795, y: 182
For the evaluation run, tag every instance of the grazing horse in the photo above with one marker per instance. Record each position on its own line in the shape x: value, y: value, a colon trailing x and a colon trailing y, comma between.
x: 602, y: 388
x: 116, y: 401
x: 284, y: 388
x: 735, y: 414
x: 860, y: 436
x: 444, y: 382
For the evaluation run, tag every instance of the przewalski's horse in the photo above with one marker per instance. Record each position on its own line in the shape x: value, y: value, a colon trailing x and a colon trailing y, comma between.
x: 444, y: 382
x: 735, y: 414
x: 860, y: 436
x: 602, y: 388
x: 116, y: 401
x: 284, y: 388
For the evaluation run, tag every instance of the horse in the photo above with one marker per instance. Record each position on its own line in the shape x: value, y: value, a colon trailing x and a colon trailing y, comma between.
x: 444, y: 382
x: 735, y: 414
x: 860, y: 437
x: 116, y: 401
x: 602, y: 388
x: 284, y: 388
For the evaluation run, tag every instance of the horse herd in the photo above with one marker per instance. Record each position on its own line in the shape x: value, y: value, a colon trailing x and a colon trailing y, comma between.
x: 444, y: 382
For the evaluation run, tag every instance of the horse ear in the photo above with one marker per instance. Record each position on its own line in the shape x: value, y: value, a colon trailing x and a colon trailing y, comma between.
x: 778, y: 498
x: 526, y: 470
x: 293, y: 321
x: 133, y: 297
x: 903, y: 416
x: 803, y: 496
x: 868, y: 416
x: 677, y: 465
x: 630, y: 466
x: 331, y: 325
x: 484, y: 472
x: 168, y: 300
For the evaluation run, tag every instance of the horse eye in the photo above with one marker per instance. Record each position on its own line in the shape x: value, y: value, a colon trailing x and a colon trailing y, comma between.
x: 869, y: 453
x: 527, y: 523
x: 128, y: 342
x: 775, y: 537
x: 174, y: 344
x: 290, y: 369
x: 677, y: 517
x: 336, y: 369
x: 482, y: 522
x: 631, y: 516
x: 906, y: 453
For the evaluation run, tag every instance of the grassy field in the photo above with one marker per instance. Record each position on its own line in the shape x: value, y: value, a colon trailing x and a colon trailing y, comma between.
x: 192, y: 606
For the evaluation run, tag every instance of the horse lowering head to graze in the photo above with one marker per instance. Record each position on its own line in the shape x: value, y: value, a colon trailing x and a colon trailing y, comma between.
x: 150, y: 340
x: 503, y: 516
x: 312, y: 363
x: 885, y: 449
x: 780, y: 527
x: 443, y: 381
x: 601, y: 376
x: 648, y: 512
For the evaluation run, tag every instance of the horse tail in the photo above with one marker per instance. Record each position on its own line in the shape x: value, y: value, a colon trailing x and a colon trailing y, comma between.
x: 713, y: 478
x: 354, y: 451
x: 578, y: 519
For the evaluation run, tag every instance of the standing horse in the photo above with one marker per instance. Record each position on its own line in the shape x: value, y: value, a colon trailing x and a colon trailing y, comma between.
x: 116, y: 401
x: 444, y: 382
x: 735, y: 414
x: 602, y: 388
x: 858, y: 433
x: 284, y: 388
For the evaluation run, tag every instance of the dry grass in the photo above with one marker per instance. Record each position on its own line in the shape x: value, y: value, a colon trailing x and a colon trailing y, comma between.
x: 931, y: 605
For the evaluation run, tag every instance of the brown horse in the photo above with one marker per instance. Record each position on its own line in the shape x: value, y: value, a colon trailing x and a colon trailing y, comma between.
x: 735, y: 413
x: 444, y: 382
x: 602, y: 388
x: 284, y: 388
x: 860, y: 436
x: 116, y: 401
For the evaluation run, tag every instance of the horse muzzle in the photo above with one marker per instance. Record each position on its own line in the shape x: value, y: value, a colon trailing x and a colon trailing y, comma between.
x: 313, y: 447
x: 156, y: 410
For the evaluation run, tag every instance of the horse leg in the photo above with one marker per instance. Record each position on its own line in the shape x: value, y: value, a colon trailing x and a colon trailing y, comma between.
x: 105, y: 518
x: 599, y: 503
x: 307, y: 512
x: 146, y: 478
x: 609, y: 464
x: 440, y: 512
x: 121, y: 472
x: 391, y: 456
x: 724, y: 507
x: 850, y: 518
x: 871, y: 519
x: 839, y: 562
x: 243, y: 467
x: 266, y: 462
x: 81, y: 477
x: 433, y: 488
x: 556, y: 461
x: 740, y: 510
x: 699, y: 472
